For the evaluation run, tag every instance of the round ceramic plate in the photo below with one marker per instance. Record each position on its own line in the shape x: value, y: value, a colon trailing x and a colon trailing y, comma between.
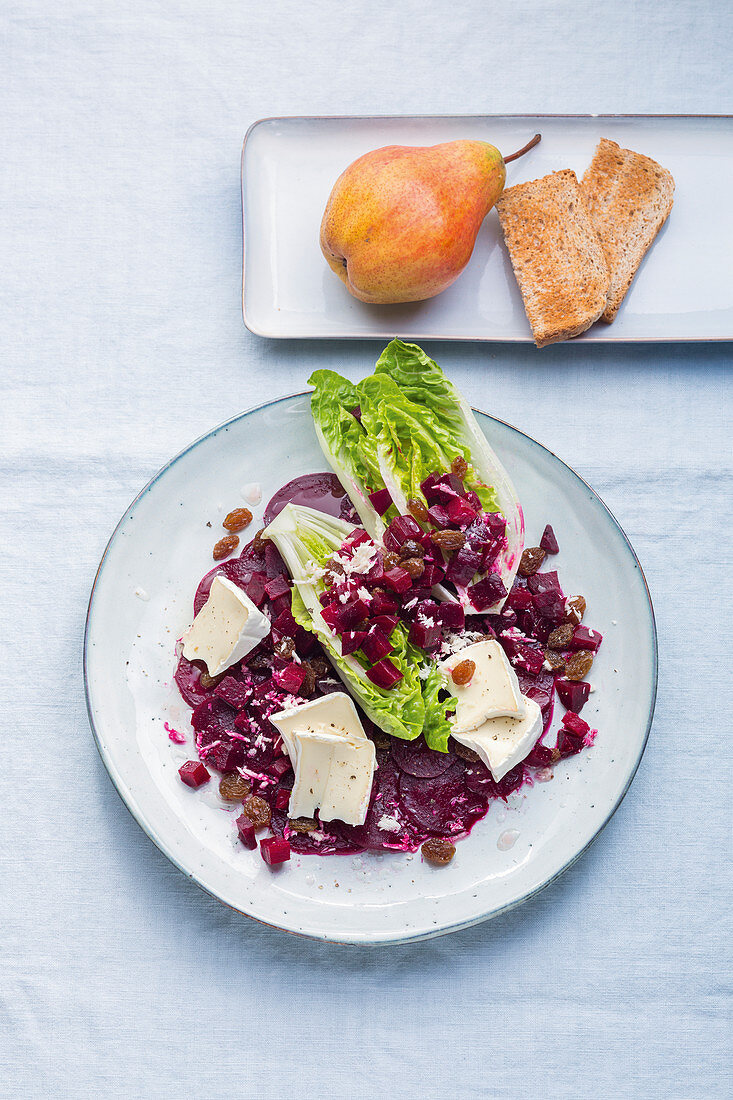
x: 141, y: 603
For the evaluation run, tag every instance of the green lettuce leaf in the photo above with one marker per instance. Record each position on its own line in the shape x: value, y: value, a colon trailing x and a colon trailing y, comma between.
x: 306, y: 540
x: 437, y: 726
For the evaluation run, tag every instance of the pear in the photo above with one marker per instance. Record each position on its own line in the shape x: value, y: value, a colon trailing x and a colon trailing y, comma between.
x: 401, y: 222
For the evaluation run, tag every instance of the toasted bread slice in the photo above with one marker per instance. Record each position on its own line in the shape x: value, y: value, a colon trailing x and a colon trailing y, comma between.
x: 629, y: 198
x: 556, y: 256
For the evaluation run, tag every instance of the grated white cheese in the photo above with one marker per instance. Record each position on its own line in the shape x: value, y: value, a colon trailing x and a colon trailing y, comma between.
x: 452, y: 643
x: 360, y: 561
x: 388, y: 824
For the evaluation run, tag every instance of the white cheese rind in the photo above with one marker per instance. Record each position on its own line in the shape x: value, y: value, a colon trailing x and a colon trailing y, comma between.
x: 226, y: 629
x: 492, y: 692
x: 502, y: 743
x: 333, y: 759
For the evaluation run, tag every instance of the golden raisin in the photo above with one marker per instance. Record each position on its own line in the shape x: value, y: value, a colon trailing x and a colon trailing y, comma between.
x: 448, y: 540
x: 207, y: 681
x: 414, y: 566
x: 438, y: 850
x: 418, y: 511
x: 238, y: 519
x: 555, y: 756
x: 575, y: 609
x: 259, y: 542
x: 560, y: 636
x: 459, y: 466
x: 233, y: 787
x: 465, y: 753
x: 463, y: 671
x: 303, y: 824
x: 257, y: 810
x: 579, y: 665
x: 225, y: 546
x: 390, y: 560
x: 555, y: 660
x: 531, y: 560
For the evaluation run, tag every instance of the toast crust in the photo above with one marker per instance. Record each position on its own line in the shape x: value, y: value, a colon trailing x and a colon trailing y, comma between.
x: 629, y: 198
x: 556, y: 255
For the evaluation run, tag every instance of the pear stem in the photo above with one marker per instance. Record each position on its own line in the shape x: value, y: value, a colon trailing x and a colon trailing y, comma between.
x: 525, y: 148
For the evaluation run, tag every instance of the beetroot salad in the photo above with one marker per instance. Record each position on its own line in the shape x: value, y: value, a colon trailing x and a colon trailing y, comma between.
x: 381, y: 661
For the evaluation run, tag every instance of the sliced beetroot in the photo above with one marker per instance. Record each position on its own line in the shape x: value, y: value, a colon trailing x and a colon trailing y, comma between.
x: 433, y: 806
x: 188, y: 679
x: 384, y: 674
x: 452, y: 616
x: 212, y: 720
x: 583, y: 638
x: 255, y: 588
x: 193, y: 774
x: 351, y: 640
x: 324, y: 492
x: 548, y: 542
x: 569, y: 743
x: 376, y: 644
x: 415, y: 758
x: 381, y: 500
x: 479, y: 779
x: 534, y: 625
x: 540, y: 756
x: 487, y: 592
x: 237, y: 570
x: 573, y: 694
x: 275, y: 850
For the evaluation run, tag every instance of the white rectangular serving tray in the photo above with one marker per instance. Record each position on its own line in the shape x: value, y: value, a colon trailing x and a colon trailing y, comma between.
x: 683, y: 290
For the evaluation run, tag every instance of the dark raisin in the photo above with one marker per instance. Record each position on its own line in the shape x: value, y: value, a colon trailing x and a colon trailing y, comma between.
x: 459, y: 466
x: 575, y: 609
x: 320, y: 666
x: 307, y: 688
x: 465, y: 753
x: 257, y: 810
x: 233, y: 787
x: 259, y: 542
x: 412, y: 549
x: 418, y: 511
x: 414, y: 566
x: 438, y: 850
x: 225, y: 546
x: 448, y: 540
x: 463, y: 671
x: 531, y: 560
x: 560, y: 636
x: 303, y: 824
x: 579, y: 665
x: 207, y: 681
x: 284, y: 647
x: 238, y: 519
x: 555, y: 660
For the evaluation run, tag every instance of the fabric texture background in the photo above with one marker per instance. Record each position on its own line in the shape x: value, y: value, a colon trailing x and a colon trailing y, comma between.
x: 121, y: 128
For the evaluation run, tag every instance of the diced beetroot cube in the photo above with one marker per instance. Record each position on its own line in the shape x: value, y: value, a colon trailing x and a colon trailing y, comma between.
x: 548, y: 542
x: 357, y: 538
x: 577, y: 725
x: 569, y: 744
x: 282, y: 799
x: 573, y: 693
x: 473, y: 500
x: 350, y: 614
x: 540, y: 756
x: 280, y: 767
x: 452, y: 616
x: 540, y: 582
x: 275, y: 850
x: 381, y: 500
x: 386, y: 623
x: 242, y: 723
x: 527, y: 657
x: 448, y: 487
x: 282, y: 603
x: 460, y: 512
x: 325, y: 598
x: 432, y: 574
x: 384, y: 674
x: 399, y: 580
x: 532, y: 624
x: 233, y: 692
x: 403, y: 528
x: 305, y: 642
x: 255, y: 588
x: 496, y: 524
x: 246, y: 831
x: 290, y: 678
x: 520, y: 599
x: 428, y: 487
x: 439, y: 516
x: 376, y: 572
x: 463, y: 566
x: 278, y: 586
x: 376, y: 645
x: 487, y: 592
x: 550, y: 605
x: 226, y: 756
x: 425, y: 635
x: 351, y: 641
x: 583, y: 638
x: 193, y: 773
x: 286, y: 624
x: 382, y: 604
x: 331, y: 616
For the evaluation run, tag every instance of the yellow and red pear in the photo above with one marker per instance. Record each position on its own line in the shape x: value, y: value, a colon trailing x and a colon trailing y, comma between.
x: 401, y: 222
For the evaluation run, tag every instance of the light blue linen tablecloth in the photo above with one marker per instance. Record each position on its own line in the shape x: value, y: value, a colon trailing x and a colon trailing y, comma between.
x: 121, y: 127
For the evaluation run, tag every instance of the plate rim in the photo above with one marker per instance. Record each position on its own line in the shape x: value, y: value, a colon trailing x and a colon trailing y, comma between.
x: 356, y: 940
x: 381, y: 335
